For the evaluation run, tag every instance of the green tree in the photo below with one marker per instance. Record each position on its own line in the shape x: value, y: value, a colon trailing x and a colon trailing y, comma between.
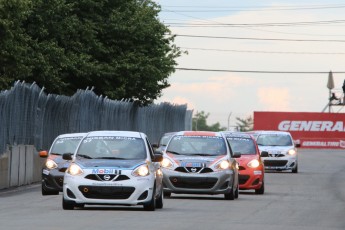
x: 245, y: 124
x: 119, y: 47
x: 200, y: 123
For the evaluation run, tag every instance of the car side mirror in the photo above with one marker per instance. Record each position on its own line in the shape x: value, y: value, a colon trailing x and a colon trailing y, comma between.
x: 158, y: 157
x: 67, y: 156
x: 264, y: 154
x: 236, y: 155
x: 43, y: 153
x: 298, y: 145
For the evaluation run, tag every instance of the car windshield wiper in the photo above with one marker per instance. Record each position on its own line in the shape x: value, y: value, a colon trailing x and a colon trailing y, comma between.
x: 84, y: 156
x: 113, y: 158
x: 55, y: 153
x: 202, y: 154
x: 176, y: 153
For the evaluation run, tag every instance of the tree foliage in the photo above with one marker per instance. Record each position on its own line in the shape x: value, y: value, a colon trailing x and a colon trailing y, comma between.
x: 245, y: 124
x: 119, y: 47
x: 200, y: 123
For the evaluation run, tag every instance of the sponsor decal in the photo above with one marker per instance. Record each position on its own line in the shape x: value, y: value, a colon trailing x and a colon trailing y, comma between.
x: 325, y: 144
x: 257, y: 173
x: 311, y: 126
x: 46, y: 172
x: 105, y: 171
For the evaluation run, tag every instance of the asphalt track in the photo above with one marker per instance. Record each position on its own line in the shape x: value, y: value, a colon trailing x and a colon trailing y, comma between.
x: 313, y: 199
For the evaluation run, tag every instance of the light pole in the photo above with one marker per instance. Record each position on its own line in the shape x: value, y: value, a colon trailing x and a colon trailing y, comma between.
x: 229, y: 121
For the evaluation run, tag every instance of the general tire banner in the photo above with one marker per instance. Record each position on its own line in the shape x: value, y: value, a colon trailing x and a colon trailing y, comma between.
x: 310, y: 130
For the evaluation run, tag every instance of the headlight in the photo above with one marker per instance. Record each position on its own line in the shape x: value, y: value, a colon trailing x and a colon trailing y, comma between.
x: 292, y: 152
x: 166, y: 163
x: 142, y: 170
x: 50, y: 164
x: 74, y: 170
x: 253, y: 163
x: 224, y: 164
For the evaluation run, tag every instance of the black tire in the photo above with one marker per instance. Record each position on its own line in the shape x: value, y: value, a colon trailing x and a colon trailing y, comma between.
x: 231, y: 194
x: 46, y: 193
x: 237, y: 191
x: 167, y: 194
x: 261, y: 190
x: 295, y: 170
x: 67, y: 205
x: 151, y: 205
x: 160, y: 201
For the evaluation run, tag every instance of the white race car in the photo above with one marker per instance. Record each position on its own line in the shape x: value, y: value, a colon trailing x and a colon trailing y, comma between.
x: 278, y: 150
x: 113, y: 167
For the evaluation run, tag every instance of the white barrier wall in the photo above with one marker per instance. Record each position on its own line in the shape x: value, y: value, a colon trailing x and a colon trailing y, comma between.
x: 20, y: 165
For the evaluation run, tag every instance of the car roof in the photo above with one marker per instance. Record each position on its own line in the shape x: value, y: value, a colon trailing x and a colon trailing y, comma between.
x: 71, y: 135
x: 198, y: 133
x: 116, y: 133
x: 236, y: 134
x: 272, y: 132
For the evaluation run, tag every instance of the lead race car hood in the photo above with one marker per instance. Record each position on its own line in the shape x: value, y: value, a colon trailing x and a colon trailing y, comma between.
x: 106, y: 163
x: 195, y: 160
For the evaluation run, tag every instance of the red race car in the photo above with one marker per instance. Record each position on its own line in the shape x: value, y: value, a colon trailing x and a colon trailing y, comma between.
x: 251, y: 168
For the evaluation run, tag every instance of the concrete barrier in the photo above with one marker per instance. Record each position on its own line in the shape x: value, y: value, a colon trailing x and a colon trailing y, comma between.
x: 20, y: 165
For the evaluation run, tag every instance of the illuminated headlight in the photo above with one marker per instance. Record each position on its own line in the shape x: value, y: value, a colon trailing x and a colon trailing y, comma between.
x: 142, y: 170
x: 224, y: 164
x: 292, y: 152
x: 166, y: 163
x: 74, y: 170
x: 253, y: 163
x: 50, y: 164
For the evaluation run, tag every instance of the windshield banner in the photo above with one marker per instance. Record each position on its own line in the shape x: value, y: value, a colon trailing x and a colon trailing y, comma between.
x: 310, y: 130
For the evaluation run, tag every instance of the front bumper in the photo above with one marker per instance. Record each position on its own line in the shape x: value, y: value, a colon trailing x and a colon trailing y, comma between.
x: 52, y: 180
x: 280, y: 163
x: 250, y: 178
x: 131, y: 191
x: 198, y: 183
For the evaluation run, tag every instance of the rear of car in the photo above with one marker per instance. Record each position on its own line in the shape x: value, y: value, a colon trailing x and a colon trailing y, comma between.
x: 54, y: 167
x: 113, y: 168
x: 197, y: 162
x: 279, y: 150
x: 251, y: 168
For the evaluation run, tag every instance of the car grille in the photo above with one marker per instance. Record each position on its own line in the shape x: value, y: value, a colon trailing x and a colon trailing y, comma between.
x: 241, y: 168
x: 106, y: 192
x: 62, y: 170
x: 243, y: 179
x: 278, y: 163
x: 100, y: 177
x: 193, y: 170
x: 193, y: 182
x: 276, y: 155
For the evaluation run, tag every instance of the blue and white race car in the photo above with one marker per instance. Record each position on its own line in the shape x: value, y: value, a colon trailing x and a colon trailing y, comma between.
x: 113, y: 167
x: 278, y: 150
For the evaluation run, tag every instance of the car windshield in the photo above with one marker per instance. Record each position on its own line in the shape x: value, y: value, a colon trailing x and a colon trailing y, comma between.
x: 274, y: 140
x: 245, y: 146
x: 65, y: 145
x: 165, y: 139
x: 112, y: 147
x: 197, y: 145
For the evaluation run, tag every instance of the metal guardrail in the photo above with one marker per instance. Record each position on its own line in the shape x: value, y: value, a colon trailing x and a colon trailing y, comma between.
x: 29, y: 116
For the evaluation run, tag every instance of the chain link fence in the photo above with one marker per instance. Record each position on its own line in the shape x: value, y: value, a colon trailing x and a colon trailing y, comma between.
x: 29, y: 116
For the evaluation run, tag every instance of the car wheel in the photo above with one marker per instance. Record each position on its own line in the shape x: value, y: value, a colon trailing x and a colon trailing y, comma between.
x: 261, y: 190
x: 160, y: 200
x: 67, y: 205
x: 46, y: 193
x: 79, y: 205
x: 151, y: 205
x: 230, y: 195
x: 295, y: 170
x: 237, y: 191
x: 167, y: 194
